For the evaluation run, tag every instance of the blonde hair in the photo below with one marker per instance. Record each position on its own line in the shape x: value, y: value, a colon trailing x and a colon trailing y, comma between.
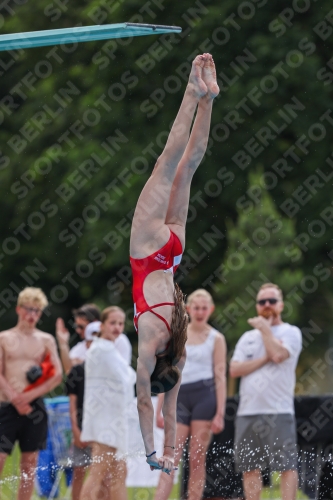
x: 271, y: 285
x: 34, y: 295
x: 109, y: 310
x: 200, y: 292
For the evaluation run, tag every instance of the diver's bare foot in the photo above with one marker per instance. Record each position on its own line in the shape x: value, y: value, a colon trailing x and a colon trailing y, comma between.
x: 196, y: 82
x: 209, y: 76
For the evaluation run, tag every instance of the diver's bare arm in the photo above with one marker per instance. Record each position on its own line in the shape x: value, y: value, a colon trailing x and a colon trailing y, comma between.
x: 146, y: 365
x: 170, y: 424
x: 169, y: 413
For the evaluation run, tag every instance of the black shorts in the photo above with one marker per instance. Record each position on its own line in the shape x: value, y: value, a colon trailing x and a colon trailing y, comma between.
x: 196, y: 401
x: 29, y: 430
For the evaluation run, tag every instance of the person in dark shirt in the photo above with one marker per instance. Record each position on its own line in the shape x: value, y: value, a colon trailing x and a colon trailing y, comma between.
x: 81, y: 457
x: 74, y: 387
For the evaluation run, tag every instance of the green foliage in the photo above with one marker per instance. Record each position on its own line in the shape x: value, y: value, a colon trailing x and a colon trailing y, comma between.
x: 256, y: 254
x: 116, y: 99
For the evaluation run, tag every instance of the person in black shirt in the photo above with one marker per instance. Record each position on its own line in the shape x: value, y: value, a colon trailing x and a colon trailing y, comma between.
x: 81, y: 451
x: 74, y: 387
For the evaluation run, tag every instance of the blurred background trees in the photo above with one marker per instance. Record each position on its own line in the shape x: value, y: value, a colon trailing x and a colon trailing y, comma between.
x: 81, y: 127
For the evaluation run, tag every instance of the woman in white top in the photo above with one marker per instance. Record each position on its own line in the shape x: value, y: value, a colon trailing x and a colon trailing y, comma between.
x: 202, y: 395
x: 108, y: 392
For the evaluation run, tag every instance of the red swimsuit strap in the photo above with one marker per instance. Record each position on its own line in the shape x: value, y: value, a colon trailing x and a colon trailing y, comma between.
x: 158, y: 315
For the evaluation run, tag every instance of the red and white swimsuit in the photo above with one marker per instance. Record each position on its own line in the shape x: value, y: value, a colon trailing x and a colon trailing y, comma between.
x: 167, y: 259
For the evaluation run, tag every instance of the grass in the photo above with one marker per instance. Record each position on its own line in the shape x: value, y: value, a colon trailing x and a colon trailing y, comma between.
x: 274, y: 491
x: 9, y: 484
x: 10, y: 480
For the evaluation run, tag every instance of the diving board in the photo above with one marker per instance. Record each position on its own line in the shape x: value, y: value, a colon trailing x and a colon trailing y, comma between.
x: 31, y: 39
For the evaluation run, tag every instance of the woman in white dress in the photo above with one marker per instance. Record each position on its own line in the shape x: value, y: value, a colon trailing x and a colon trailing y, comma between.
x: 201, y: 398
x: 109, y: 390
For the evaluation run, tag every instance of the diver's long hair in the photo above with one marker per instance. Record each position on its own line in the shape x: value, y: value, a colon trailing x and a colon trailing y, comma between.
x: 178, y: 325
x: 166, y: 375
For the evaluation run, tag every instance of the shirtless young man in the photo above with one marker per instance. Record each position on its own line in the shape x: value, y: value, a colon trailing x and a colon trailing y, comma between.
x: 156, y: 247
x: 22, y: 414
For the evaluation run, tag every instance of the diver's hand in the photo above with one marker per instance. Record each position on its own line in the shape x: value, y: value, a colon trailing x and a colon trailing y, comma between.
x: 165, y: 463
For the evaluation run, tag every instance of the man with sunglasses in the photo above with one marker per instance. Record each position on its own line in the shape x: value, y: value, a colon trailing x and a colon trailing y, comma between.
x: 265, y: 429
x: 82, y: 317
x: 86, y: 314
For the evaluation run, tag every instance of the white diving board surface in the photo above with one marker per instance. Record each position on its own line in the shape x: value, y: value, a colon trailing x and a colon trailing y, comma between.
x: 43, y: 38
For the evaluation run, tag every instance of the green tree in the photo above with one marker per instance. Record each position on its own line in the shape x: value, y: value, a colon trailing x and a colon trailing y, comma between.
x: 75, y: 119
x: 257, y: 253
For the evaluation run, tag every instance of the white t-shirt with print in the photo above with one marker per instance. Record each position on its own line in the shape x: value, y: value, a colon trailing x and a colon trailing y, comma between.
x: 270, y: 389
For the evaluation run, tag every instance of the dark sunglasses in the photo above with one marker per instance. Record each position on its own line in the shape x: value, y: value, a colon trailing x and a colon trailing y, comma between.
x: 78, y: 327
x: 262, y: 302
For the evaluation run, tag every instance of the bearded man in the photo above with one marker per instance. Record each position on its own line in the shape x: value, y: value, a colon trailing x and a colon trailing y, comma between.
x: 265, y: 430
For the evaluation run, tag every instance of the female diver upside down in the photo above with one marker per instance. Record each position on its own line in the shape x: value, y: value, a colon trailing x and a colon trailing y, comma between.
x: 156, y: 247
